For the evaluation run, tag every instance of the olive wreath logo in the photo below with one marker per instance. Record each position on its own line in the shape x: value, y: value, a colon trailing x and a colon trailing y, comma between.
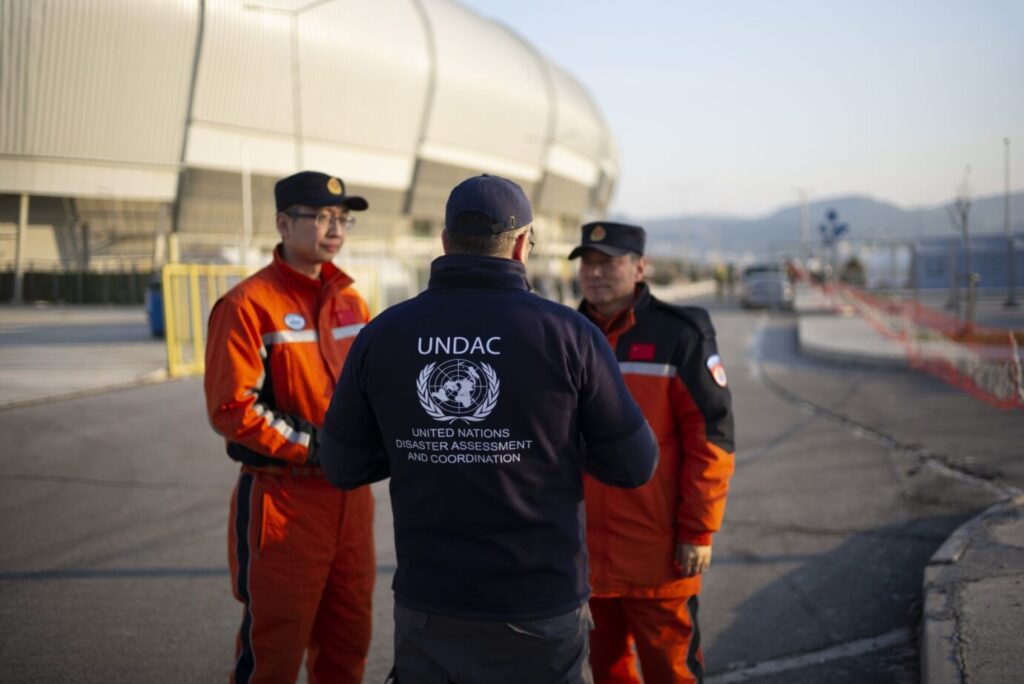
x: 437, y: 413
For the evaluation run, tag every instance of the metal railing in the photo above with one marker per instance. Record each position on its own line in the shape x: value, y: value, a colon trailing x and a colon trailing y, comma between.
x: 189, y: 292
x: 74, y: 286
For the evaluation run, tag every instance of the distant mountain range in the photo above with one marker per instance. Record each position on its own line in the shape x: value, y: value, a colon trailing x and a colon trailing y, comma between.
x: 708, y: 238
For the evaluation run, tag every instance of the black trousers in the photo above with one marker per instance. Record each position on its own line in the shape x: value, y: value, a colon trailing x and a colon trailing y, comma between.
x: 435, y: 649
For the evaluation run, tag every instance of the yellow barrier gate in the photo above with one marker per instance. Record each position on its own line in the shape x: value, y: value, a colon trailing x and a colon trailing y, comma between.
x: 189, y: 292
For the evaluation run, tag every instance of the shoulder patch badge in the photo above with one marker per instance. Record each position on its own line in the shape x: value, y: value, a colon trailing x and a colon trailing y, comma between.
x: 295, y: 321
x: 717, y: 370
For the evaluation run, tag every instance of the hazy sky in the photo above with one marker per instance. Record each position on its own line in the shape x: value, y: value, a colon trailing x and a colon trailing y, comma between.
x: 726, y: 107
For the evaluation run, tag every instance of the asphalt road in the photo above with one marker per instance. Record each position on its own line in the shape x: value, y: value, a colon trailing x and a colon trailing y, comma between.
x: 113, y: 515
x: 847, y: 480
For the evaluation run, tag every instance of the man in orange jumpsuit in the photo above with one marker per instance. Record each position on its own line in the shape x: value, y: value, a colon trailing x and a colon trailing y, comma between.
x: 300, y: 551
x: 648, y: 546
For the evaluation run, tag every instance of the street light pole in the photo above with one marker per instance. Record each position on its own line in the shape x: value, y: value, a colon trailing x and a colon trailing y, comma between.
x: 805, y: 224
x: 1011, y: 253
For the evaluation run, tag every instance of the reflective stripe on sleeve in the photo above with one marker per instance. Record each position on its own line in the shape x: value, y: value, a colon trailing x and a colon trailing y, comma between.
x: 284, y: 429
x: 289, y: 336
x: 347, y: 331
x: 661, y: 370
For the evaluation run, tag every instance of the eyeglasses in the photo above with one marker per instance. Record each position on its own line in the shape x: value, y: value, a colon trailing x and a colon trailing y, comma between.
x: 324, y: 220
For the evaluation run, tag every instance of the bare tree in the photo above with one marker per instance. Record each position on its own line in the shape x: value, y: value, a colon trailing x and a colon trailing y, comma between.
x: 959, y: 214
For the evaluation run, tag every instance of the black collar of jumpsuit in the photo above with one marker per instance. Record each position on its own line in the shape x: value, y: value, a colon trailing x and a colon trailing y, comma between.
x: 464, y: 270
x: 642, y: 299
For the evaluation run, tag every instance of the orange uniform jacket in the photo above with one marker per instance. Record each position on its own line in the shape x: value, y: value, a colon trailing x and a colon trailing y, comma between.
x: 273, y: 358
x: 669, y: 359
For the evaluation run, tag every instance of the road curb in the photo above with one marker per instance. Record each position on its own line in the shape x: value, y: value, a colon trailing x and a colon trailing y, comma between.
x: 148, y: 378
x: 940, y: 653
x: 827, y: 351
x: 679, y: 291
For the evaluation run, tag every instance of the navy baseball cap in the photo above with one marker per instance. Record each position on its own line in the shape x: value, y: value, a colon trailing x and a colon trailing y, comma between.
x: 487, y: 205
x: 314, y: 189
x: 614, y: 239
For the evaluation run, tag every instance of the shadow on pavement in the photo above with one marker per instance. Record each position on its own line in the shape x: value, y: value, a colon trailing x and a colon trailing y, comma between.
x: 867, y: 586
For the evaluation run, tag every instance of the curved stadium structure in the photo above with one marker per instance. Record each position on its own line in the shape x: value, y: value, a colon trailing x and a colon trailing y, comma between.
x: 138, y: 131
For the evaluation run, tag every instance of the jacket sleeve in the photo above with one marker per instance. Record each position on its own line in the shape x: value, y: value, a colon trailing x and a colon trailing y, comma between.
x: 619, y: 447
x: 352, y: 450
x: 702, y: 408
x: 239, y: 394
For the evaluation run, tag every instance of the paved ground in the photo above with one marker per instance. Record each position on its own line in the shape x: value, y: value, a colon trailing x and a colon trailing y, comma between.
x: 974, y: 600
x: 845, y: 487
x: 113, y: 514
x: 113, y: 524
x: 973, y: 589
x: 57, y: 351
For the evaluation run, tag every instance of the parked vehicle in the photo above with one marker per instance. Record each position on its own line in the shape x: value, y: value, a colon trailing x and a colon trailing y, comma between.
x: 766, y: 285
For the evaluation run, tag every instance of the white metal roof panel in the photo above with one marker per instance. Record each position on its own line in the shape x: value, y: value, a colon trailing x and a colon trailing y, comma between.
x: 491, y: 97
x: 95, y: 80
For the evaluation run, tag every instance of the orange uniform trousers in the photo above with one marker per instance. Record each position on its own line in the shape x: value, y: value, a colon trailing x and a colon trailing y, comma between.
x: 664, y: 630
x: 302, y: 563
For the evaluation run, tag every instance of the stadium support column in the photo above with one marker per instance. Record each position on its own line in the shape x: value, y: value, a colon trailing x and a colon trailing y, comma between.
x: 18, y: 296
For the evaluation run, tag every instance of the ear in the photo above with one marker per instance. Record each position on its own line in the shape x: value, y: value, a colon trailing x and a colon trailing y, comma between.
x: 283, y: 225
x: 641, y: 268
x: 521, y: 247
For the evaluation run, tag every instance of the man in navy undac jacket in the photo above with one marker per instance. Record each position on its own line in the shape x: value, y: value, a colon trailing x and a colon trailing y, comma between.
x: 485, y: 404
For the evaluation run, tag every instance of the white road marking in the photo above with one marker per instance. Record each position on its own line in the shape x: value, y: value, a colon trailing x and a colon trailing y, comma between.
x: 754, y: 353
x: 847, y: 650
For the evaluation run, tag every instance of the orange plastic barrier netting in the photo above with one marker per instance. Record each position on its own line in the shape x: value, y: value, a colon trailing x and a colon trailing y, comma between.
x: 986, y: 362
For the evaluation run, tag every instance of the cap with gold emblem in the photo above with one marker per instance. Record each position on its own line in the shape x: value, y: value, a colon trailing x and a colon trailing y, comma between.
x: 611, y: 238
x: 314, y: 189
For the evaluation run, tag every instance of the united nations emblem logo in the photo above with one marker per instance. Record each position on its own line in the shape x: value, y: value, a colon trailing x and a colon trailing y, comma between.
x: 457, y: 389
x: 334, y: 186
x: 597, y: 234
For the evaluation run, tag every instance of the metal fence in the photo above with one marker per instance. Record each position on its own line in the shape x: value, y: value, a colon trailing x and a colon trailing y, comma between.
x: 78, y: 287
x: 189, y: 291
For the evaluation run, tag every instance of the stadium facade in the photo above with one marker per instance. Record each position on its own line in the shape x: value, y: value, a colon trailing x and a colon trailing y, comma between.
x: 137, y: 132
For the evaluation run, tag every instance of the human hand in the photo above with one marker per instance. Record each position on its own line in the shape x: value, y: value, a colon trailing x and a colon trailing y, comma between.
x: 312, y: 455
x: 693, y: 559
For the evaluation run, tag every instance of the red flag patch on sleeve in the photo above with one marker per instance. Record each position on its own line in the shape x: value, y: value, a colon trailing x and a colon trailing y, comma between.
x: 345, y: 317
x: 639, y: 351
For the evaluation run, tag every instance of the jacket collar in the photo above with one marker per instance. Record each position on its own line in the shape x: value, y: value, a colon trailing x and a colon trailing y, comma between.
x: 643, y: 297
x: 330, y: 276
x: 463, y: 270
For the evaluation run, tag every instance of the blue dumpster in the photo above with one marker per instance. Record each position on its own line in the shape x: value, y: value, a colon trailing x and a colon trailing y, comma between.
x: 155, y: 307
